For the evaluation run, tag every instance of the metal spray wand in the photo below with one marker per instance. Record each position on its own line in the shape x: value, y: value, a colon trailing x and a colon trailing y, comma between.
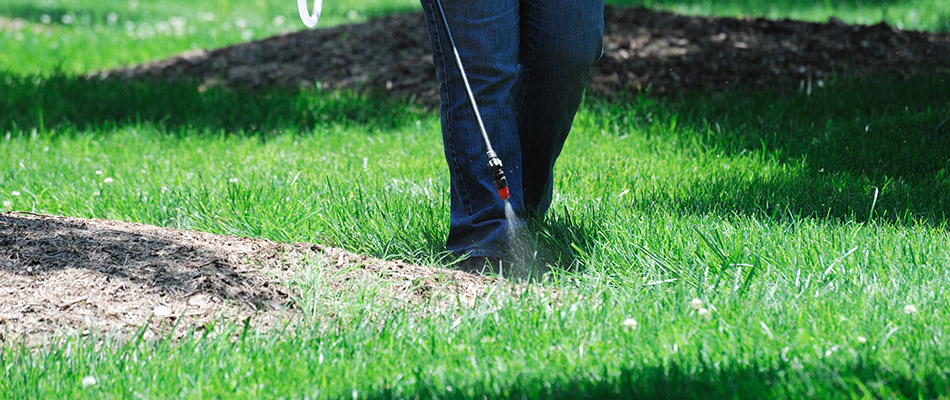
x: 494, y: 163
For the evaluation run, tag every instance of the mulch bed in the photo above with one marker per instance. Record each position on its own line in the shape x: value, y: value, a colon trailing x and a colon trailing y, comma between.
x: 61, y: 275
x: 661, y: 51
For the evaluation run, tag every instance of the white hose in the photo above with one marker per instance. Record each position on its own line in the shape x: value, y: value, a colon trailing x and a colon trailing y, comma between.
x: 310, y: 20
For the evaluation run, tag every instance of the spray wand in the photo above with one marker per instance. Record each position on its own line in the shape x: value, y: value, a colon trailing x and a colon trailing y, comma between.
x: 494, y: 163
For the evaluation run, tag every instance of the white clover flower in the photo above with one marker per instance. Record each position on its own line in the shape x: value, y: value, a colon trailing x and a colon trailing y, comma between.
x: 861, y: 339
x: 630, y: 323
x: 910, y: 309
x: 98, y: 172
x: 88, y: 381
x: 112, y: 18
x: 45, y: 18
x: 233, y: 180
x: 164, y: 189
x: 7, y: 204
x: 15, y: 193
x: 279, y: 20
x: 68, y: 19
x: 704, y: 313
x: 108, y: 180
x: 178, y: 23
x: 696, y: 304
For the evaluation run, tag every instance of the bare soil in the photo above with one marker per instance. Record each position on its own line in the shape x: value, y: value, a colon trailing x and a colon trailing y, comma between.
x: 62, y: 275
x: 643, y: 49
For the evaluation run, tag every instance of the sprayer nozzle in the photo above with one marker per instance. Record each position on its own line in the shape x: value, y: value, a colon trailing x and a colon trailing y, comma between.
x: 501, y: 184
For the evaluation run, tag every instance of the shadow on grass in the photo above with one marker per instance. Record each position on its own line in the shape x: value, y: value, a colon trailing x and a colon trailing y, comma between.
x: 86, y: 16
x: 681, y: 381
x: 62, y: 103
x: 944, y: 22
x: 842, y: 142
x: 839, y: 144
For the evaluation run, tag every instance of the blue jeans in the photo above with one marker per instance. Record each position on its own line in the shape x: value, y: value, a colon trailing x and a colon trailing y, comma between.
x: 528, y: 62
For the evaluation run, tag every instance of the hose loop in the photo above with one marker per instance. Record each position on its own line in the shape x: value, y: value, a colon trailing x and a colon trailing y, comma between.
x: 310, y: 20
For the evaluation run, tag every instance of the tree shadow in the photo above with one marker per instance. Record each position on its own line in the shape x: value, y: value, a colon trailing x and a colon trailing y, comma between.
x: 859, y: 149
x: 35, y: 13
x: 169, y: 262
x: 705, y: 381
x: 61, y: 102
x: 944, y: 22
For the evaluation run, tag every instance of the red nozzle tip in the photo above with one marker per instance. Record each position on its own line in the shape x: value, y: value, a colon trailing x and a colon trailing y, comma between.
x: 503, y: 193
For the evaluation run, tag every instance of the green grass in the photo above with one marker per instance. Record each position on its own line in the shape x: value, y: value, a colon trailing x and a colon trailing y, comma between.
x: 763, y: 208
x: 806, y: 223
x: 78, y: 36
x: 87, y: 35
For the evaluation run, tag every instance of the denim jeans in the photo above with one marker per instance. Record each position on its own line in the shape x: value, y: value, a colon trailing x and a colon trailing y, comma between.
x: 528, y: 62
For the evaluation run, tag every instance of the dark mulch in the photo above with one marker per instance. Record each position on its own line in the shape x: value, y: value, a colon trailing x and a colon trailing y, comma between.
x: 643, y: 49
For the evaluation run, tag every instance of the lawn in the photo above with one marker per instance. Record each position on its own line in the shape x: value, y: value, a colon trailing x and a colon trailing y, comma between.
x: 78, y: 36
x: 811, y: 226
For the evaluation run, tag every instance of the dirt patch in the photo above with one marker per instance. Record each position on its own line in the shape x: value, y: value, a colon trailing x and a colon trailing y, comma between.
x: 67, y: 275
x: 643, y: 48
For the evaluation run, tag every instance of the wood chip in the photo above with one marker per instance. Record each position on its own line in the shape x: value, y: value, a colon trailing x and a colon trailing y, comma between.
x: 162, y: 311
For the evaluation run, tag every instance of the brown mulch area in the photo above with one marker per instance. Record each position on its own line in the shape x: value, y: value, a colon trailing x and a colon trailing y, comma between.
x: 643, y: 48
x: 66, y: 275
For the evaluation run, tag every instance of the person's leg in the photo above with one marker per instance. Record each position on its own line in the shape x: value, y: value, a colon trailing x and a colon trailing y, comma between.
x: 560, y: 40
x: 486, y: 33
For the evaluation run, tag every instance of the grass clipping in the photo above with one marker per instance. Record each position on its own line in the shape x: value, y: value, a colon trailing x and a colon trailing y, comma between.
x: 61, y: 275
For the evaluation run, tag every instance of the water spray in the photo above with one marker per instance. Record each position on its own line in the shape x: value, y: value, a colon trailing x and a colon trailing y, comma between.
x: 494, y: 163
